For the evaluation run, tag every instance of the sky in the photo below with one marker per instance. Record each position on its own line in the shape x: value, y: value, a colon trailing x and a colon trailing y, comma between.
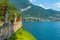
x: 47, y: 4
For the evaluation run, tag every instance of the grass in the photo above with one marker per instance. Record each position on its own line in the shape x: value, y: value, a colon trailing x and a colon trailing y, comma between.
x: 22, y: 34
x: 1, y: 24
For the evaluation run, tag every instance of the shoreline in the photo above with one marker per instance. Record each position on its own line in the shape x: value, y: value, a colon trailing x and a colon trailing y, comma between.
x: 22, y: 34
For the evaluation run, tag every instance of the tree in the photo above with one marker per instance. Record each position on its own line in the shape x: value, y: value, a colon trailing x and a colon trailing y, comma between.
x: 7, y: 7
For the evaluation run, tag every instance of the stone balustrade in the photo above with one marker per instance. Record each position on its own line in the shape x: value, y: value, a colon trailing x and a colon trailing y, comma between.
x: 7, y: 30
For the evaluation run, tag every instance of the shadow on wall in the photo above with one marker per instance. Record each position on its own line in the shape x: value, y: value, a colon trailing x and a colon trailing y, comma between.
x: 8, y: 29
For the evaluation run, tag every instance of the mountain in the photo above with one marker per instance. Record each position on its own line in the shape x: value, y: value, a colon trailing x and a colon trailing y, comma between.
x: 30, y: 10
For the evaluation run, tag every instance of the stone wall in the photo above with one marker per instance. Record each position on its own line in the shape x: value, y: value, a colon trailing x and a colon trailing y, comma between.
x: 7, y: 30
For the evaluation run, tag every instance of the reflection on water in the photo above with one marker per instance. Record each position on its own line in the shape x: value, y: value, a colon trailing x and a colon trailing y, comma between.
x: 44, y: 30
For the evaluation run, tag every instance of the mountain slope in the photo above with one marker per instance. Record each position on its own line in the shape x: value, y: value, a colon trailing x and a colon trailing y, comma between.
x: 34, y: 11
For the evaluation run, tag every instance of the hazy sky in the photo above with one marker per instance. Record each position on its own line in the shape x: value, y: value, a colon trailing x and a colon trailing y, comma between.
x: 47, y: 4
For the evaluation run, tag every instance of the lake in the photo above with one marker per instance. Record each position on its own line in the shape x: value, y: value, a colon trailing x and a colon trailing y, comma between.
x: 43, y: 30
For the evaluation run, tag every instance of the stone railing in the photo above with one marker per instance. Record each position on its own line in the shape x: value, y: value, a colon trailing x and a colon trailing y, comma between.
x: 7, y: 30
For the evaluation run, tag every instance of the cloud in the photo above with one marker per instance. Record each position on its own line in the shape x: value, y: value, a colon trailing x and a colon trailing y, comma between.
x: 44, y: 6
x: 30, y: 0
x: 57, y: 5
x: 33, y: 1
x: 27, y: 8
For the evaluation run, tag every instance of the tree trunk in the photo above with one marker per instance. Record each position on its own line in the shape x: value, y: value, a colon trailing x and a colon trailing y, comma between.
x: 6, y: 17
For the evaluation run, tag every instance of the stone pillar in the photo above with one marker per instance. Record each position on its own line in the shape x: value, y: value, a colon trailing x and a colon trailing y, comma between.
x: 15, y: 18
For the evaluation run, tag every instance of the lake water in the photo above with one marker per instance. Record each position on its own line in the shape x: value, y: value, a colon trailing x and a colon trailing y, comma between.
x: 44, y: 30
